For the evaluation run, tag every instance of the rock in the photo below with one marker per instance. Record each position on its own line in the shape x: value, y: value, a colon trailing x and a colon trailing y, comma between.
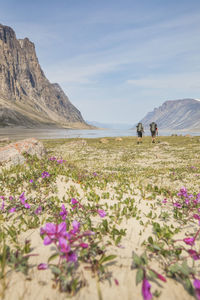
x: 118, y: 139
x: 188, y: 135
x: 5, y: 140
x: 12, y: 154
x: 104, y: 141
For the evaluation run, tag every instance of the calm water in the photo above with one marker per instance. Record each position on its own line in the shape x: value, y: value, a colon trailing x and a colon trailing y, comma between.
x: 17, y: 133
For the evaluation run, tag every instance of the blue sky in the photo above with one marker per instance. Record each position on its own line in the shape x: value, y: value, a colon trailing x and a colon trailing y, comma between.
x: 115, y: 59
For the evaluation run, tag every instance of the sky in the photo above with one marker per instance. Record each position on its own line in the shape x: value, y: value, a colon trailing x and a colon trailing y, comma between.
x: 116, y: 60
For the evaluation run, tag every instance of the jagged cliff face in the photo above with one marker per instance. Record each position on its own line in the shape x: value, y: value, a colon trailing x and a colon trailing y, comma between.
x: 25, y: 92
x: 176, y: 115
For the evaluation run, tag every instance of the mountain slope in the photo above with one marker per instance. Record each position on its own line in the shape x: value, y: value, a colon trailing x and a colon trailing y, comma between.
x: 25, y: 91
x: 176, y: 115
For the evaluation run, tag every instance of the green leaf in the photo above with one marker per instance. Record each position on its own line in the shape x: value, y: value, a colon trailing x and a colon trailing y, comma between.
x: 189, y: 286
x: 139, y: 275
x: 137, y: 260
x: 55, y: 270
x: 150, y: 240
x: 107, y: 258
x: 52, y: 257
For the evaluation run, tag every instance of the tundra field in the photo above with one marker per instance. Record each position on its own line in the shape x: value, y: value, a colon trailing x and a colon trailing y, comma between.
x: 102, y: 219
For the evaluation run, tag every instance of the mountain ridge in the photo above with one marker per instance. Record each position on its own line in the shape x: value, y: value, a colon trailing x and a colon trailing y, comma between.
x: 25, y: 92
x: 181, y: 114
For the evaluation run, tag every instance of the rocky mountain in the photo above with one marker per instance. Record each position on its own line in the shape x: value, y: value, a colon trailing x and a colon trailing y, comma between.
x: 27, y: 98
x: 176, y: 115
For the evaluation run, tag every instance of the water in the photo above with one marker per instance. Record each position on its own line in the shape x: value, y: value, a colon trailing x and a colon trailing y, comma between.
x: 21, y: 133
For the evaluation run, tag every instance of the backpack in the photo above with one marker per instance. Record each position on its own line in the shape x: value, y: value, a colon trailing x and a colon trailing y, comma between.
x: 139, y: 127
x: 153, y: 126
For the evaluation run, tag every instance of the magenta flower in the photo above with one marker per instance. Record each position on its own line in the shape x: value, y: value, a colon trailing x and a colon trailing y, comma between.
x: 53, y: 232
x: 26, y: 205
x: 42, y: 266
x: 101, y: 213
x: 22, y: 198
x: 2, y: 205
x: 83, y: 245
x: 74, y: 201
x: 194, y: 254
x: 76, y: 226
x: 63, y: 245
x: 178, y: 205
x: 11, y: 198
x: 64, y: 212
x: 182, y: 192
x: 146, y: 290
x: 45, y: 174
x: 72, y: 256
x: 164, y: 201
x: 52, y: 158
x: 38, y: 210
x: 196, y: 284
x: 189, y: 241
x: 95, y: 174
x: 31, y: 180
x: 13, y: 209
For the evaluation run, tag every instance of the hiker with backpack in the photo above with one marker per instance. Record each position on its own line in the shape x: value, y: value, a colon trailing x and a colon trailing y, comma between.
x: 154, y: 131
x: 140, y: 131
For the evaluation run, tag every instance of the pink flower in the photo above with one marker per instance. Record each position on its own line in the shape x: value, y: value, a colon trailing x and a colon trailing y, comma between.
x: 101, y: 213
x: 76, y: 226
x: 38, y: 210
x: 26, y: 205
x: 45, y: 174
x: 13, y: 209
x: 196, y: 284
x: 42, y: 266
x: 189, y: 241
x: 2, y: 205
x: 72, y: 256
x: 11, y: 198
x: 164, y: 201
x: 64, y: 212
x: 74, y: 201
x: 146, y: 289
x: 63, y: 245
x: 178, y: 205
x: 194, y: 254
x: 53, y: 232
x: 84, y: 245
x: 31, y: 180
x: 22, y: 198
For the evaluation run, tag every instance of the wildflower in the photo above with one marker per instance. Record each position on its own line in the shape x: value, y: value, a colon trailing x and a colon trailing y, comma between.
x: 52, y: 158
x: 196, y: 284
x: 13, y: 209
x: 95, y: 174
x: 189, y: 241
x: 194, y: 254
x: 74, y: 201
x: 72, y: 256
x: 101, y: 213
x: 116, y: 281
x: 84, y: 245
x: 146, y: 289
x: 31, y: 180
x: 60, y: 161
x: 164, y: 201
x: 178, y: 205
x: 38, y: 210
x: 2, y: 205
x: 53, y: 232
x: 42, y: 266
x: 22, y: 198
x: 26, y: 205
x: 76, y: 226
x: 64, y: 212
x: 45, y: 174
x: 182, y: 192
x: 11, y: 198
x: 63, y: 245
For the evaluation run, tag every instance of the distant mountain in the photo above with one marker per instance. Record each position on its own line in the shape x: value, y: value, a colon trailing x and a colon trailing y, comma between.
x: 109, y: 125
x: 27, y: 98
x: 176, y: 115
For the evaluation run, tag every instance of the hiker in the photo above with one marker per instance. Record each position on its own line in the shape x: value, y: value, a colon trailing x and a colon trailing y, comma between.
x: 140, y: 131
x: 154, y: 131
